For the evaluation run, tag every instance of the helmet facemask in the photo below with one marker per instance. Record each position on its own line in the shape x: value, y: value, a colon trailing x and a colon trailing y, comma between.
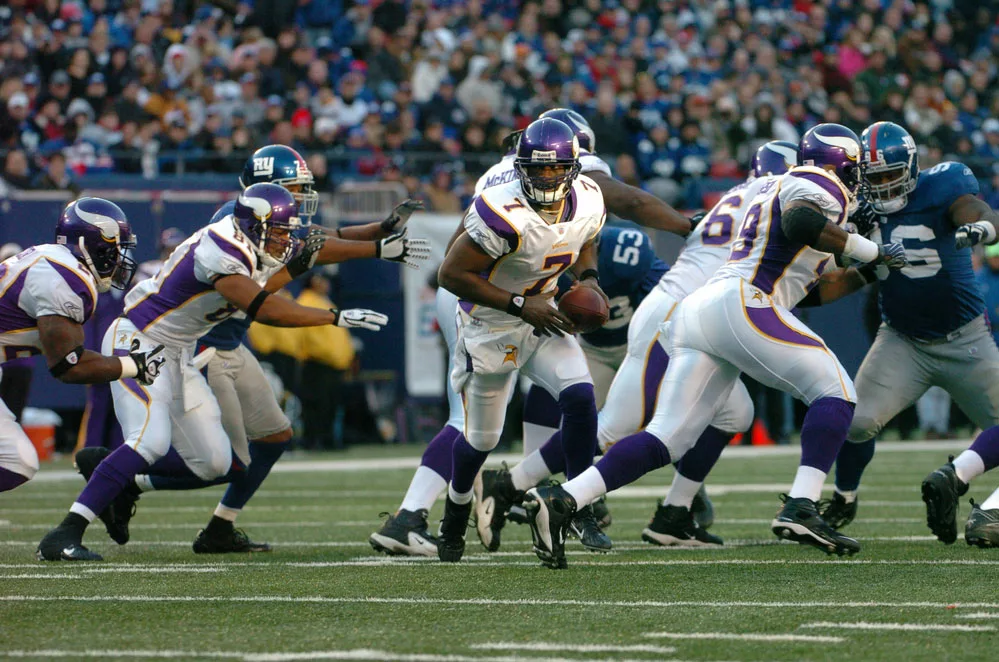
x: 887, y: 186
x: 110, y: 264
x: 546, y: 183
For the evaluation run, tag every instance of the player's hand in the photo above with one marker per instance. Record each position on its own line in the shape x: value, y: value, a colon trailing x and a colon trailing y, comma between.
x: 892, y: 256
x: 359, y: 318
x: 865, y: 219
x: 396, y: 221
x: 594, y: 285
x: 697, y: 218
x: 148, y: 363
x: 399, y: 248
x: 971, y: 234
x: 543, y: 316
x: 306, y: 258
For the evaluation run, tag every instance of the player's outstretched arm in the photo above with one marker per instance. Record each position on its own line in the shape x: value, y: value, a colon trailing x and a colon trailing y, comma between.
x: 839, y: 283
x: 394, y: 223
x: 804, y: 223
x: 62, y: 345
x: 975, y: 220
x: 634, y: 204
x: 261, y: 307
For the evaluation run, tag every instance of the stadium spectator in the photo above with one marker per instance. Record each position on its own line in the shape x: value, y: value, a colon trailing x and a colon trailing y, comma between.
x: 56, y: 177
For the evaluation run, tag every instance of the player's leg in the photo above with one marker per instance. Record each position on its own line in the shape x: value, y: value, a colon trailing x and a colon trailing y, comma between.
x: 542, y: 418
x: 18, y: 459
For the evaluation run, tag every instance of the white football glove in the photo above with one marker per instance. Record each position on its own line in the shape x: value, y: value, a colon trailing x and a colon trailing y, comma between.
x: 359, y: 318
x: 399, y: 248
x: 396, y: 221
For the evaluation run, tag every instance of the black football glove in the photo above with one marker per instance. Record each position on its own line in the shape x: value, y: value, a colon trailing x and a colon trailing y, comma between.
x: 306, y: 258
x: 865, y: 219
x: 148, y: 363
x: 396, y: 221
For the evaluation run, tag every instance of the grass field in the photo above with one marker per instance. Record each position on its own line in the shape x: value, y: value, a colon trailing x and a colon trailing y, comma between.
x: 324, y: 594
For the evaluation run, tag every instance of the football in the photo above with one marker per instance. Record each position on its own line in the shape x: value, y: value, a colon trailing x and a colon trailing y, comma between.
x: 585, y: 307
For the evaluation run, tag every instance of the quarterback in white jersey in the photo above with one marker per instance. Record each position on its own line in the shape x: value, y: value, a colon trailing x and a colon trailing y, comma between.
x: 741, y: 322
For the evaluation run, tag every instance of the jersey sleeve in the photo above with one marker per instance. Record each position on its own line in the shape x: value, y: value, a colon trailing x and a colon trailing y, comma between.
x: 590, y: 163
x: 492, y: 232
x: 814, y: 186
x: 51, y: 288
x: 956, y: 179
x: 216, y: 256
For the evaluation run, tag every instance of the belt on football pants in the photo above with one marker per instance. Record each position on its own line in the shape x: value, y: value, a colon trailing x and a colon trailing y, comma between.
x: 950, y: 337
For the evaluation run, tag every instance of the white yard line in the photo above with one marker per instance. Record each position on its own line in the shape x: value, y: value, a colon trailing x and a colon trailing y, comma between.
x: 981, y: 615
x: 354, y: 654
x: 746, y: 636
x: 41, y: 576
x: 538, y: 646
x: 908, y: 627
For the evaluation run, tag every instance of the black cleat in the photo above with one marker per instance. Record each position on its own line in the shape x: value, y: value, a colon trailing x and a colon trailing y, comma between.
x: 675, y: 526
x: 451, y: 541
x: 494, y: 496
x: 702, y: 509
x: 86, y: 462
x: 64, y: 543
x: 585, y: 527
x: 941, y: 490
x: 602, y: 513
x: 799, y: 521
x: 123, y: 510
x: 838, y: 512
x: 982, y: 528
x: 222, y: 539
x: 405, y: 534
x: 550, y: 511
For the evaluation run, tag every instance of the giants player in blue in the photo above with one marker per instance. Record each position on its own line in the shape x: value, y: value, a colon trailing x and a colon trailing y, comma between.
x: 934, y: 330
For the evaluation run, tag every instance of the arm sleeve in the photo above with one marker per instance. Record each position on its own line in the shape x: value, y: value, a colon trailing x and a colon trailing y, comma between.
x: 216, y: 256
x: 959, y: 180
x: 492, y: 232
x: 53, y: 289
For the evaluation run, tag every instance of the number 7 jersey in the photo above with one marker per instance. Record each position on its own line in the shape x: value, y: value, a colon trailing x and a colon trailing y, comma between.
x: 530, y: 253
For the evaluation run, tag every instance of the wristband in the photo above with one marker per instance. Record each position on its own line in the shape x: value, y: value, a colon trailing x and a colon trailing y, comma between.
x: 989, y: 230
x: 254, y: 307
x: 590, y: 273
x: 67, y: 362
x: 861, y: 249
x: 129, y: 368
x: 869, y: 273
x: 516, y: 305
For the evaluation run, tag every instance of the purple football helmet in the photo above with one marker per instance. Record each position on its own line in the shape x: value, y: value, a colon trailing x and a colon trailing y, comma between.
x: 97, y: 232
x: 774, y: 158
x: 547, y: 160
x: 268, y: 215
x: 833, y: 145
x: 578, y: 124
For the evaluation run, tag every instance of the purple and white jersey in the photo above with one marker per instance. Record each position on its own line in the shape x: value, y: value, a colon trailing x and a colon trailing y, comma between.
x: 147, y: 269
x: 42, y: 280
x: 180, y: 304
x: 708, y: 245
x: 763, y: 256
x: 530, y: 253
x: 503, y: 172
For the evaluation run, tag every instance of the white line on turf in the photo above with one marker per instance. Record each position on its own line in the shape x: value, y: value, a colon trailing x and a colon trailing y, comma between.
x: 574, y: 648
x: 909, y: 627
x: 40, y: 576
x: 746, y: 636
x: 980, y: 615
x: 355, y: 654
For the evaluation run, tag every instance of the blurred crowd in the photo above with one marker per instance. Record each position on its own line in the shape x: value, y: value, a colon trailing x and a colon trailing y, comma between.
x: 679, y: 92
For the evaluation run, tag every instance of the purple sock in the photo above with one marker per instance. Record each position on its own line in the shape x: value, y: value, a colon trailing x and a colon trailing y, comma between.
x: 437, y: 457
x: 697, y: 463
x: 540, y: 408
x: 553, y: 454
x: 110, y: 477
x: 631, y: 458
x: 824, y: 432
x: 171, y: 464
x: 987, y: 446
x: 466, y: 462
x: 579, y: 428
x: 10, y: 479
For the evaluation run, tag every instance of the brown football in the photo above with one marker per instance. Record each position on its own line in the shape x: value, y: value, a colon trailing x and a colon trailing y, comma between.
x: 587, y: 309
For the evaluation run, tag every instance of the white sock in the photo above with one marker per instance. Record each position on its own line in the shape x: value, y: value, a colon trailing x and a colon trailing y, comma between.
x: 586, y: 487
x: 83, y: 511
x: 807, y: 483
x: 226, y: 513
x: 849, y: 495
x: 459, y: 498
x: 535, y: 437
x: 423, y: 490
x: 992, y: 502
x: 682, y: 492
x: 968, y: 466
x: 530, y: 471
x: 143, y: 483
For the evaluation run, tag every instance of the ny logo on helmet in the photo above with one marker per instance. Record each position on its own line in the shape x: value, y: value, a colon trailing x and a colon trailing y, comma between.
x: 263, y: 166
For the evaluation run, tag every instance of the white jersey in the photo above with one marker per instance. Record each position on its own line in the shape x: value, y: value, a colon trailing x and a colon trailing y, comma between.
x: 708, y: 245
x: 503, y: 172
x: 763, y: 256
x: 42, y: 280
x: 148, y: 269
x: 530, y: 253
x: 180, y: 304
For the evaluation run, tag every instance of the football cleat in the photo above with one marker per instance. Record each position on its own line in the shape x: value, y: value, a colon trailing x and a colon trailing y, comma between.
x: 123, y: 510
x: 494, y: 496
x: 86, y: 461
x: 675, y: 526
x: 585, y: 527
x: 941, y: 490
x: 64, y: 543
x: 451, y: 542
x: 226, y: 540
x: 405, y: 534
x: 550, y: 511
x: 702, y: 509
x: 517, y: 515
x: 838, y: 512
x: 602, y: 513
x: 799, y: 521
x: 982, y: 528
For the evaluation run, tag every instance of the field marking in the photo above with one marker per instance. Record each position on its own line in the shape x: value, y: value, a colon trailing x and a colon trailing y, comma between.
x: 354, y: 654
x: 538, y: 646
x: 747, y: 636
x: 980, y: 615
x: 41, y: 576
x: 908, y: 627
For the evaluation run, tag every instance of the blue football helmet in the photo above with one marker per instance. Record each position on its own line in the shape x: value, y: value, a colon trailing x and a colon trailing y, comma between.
x: 98, y: 233
x: 889, y: 166
x: 279, y: 164
x: 268, y: 215
x: 774, y: 158
x: 578, y: 124
x: 547, y: 160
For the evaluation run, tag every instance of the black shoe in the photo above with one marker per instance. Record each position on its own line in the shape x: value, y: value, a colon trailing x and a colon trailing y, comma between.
x: 602, y: 513
x: 550, y: 511
x: 65, y: 543
x: 675, y: 526
x: 494, y: 496
x: 799, y: 521
x: 451, y: 541
x: 86, y: 461
x: 941, y: 490
x: 405, y: 534
x: 838, y: 512
x: 218, y: 538
x: 982, y: 528
x: 702, y: 509
x: 122, y: 511
x: 585, y: 527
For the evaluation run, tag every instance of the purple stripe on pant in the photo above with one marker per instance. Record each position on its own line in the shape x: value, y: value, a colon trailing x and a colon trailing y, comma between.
x: 769, y: 323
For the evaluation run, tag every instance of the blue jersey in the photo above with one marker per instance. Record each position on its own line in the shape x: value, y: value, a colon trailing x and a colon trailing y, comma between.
x: 937, y: 292
x: 229, y: 334
x: 629, y: 269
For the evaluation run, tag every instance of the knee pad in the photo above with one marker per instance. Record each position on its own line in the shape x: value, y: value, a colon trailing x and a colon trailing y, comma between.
x: 216, y: 465
x: 25, y: 461
x: 578, y: 400
x: 482, y: 440
x: 863, y: 427
x: 737, y: 414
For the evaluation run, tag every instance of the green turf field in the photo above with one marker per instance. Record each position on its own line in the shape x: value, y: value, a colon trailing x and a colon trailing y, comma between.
x: 324, y: 594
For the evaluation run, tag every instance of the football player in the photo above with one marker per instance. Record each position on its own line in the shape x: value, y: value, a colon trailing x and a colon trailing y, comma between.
x: 47, y: 293
x: 949, y: 344
x: 740, y: 321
